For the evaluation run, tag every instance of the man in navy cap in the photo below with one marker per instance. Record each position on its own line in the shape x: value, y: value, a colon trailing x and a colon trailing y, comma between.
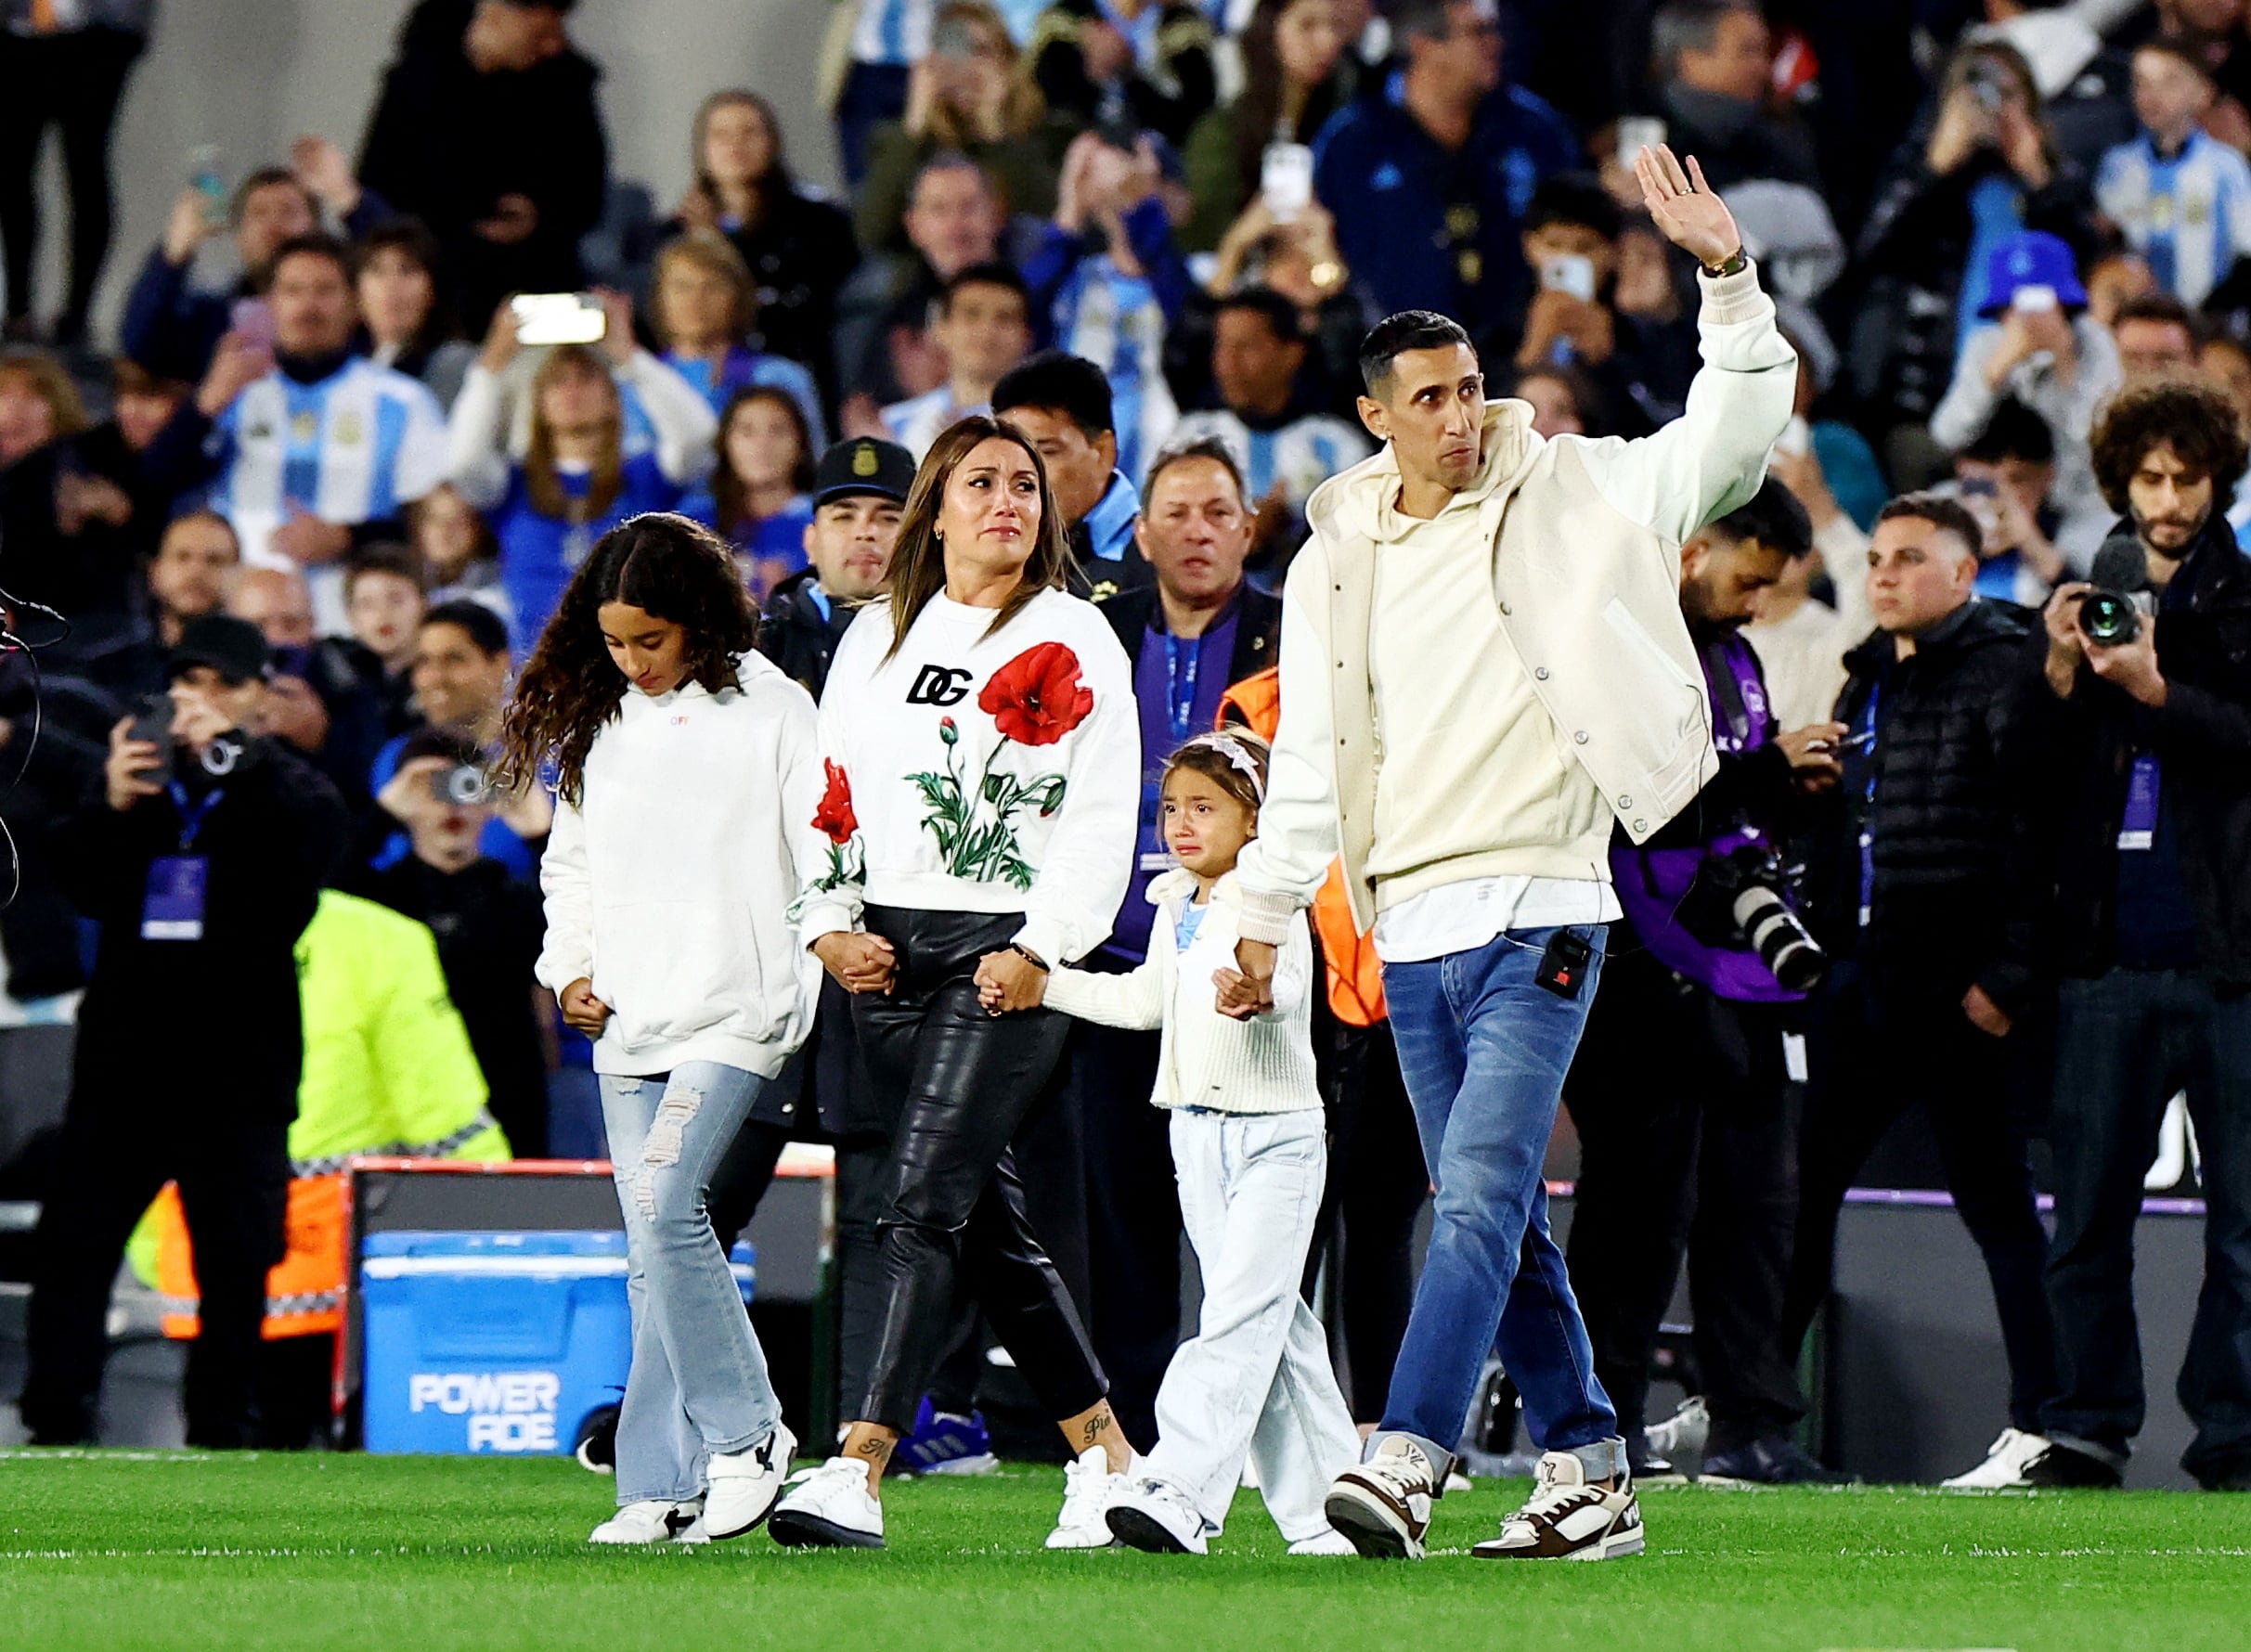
x: 859, y: 493
x: 200, y: 855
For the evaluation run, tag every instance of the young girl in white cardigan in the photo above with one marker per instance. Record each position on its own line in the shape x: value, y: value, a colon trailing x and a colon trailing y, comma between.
x: 1249, y: 1149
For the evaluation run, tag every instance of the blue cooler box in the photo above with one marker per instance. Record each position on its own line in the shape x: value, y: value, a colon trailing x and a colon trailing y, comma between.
x: 501, y: 1343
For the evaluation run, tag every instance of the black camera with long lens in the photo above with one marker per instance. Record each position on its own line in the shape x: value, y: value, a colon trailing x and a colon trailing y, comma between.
x: 1741, y: 900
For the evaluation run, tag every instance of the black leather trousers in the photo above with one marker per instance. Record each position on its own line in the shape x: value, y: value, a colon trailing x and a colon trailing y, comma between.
x: 961, y: 1084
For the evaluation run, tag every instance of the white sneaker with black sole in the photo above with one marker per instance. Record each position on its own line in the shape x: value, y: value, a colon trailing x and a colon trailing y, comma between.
x: 1087, y: 1484
x: 652, y: 1521
x: 1383, y: 1506
x: 829, y: 1507
x: 2004, y: 1467
x: 743, y: 1486
x: 1568, y: 1518
x: 1156, y: 1516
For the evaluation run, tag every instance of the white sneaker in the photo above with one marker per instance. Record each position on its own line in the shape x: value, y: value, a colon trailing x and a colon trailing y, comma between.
x: 1087, y: 1484
x: 1156, y: 1516
x: 652, y: 1521
x: 1680, y: 1437
x: 1567, y: 1519
x: 1383, y: 1506
x: 1458, y: 1484
x: 743, y: 1485
x: 1328, y: 1542
x: 2005, y: 1466
x: 829, y: 1507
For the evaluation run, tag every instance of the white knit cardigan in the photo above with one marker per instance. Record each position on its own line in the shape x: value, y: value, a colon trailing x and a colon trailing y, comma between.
x: 1207, y: 1059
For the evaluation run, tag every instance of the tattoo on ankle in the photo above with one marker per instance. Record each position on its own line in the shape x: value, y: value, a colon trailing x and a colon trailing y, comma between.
x: 876, y: 1449
x: 1096, y: 1428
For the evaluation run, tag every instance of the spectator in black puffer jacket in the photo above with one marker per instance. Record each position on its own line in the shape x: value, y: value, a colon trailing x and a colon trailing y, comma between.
x: 1926, y: 897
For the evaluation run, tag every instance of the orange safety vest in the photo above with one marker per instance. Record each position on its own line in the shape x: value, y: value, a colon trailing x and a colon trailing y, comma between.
x: 305, y: 1292
x: 1355, y: 974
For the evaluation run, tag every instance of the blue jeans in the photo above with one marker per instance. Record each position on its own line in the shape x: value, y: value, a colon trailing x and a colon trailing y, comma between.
x: 1484, y: 1048
x: 2126, y: 1043
x: 698, y: 1385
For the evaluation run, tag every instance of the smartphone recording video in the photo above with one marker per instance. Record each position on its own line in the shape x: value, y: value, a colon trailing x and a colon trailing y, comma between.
x: 559, y: 319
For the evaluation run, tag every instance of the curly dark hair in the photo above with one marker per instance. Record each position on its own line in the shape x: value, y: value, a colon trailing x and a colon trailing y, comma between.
x: 2192, y: 418
x: 664, y: 564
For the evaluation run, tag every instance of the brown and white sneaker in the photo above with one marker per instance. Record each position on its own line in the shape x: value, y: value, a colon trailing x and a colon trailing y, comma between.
x: 1568, y: 1518
x: 1383, y: 1506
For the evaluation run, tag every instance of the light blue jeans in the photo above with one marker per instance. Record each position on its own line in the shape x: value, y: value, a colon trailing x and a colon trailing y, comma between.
x: 1485, y: 1048
x: 698, y: 1385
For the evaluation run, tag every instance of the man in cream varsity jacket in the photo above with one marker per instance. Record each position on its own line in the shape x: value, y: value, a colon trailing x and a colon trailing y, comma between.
x: 1484, y: 664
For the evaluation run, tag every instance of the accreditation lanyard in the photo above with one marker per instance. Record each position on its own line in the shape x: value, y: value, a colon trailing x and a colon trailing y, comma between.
x: 193, y: 814
x: 1184, y: 655
x: 171, y: 905
x: 1868, y: 803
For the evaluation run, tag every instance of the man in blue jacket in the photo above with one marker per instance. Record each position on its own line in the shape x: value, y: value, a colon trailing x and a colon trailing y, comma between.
x: 1429, y: 178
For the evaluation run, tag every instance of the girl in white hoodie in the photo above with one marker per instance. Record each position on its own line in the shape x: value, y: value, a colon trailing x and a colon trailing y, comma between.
x: 685, y: 769
x: 1250, y: 1155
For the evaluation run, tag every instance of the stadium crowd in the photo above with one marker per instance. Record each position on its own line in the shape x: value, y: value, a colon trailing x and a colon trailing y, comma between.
x: 309, y: 519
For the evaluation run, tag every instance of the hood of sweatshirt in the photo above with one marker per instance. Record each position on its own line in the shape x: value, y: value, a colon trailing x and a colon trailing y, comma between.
x: 1363, y: 501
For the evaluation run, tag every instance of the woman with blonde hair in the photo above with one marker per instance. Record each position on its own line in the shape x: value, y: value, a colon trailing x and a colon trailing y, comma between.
x: 579, y: 477
x: 704, y: 305
x: 983, y: 762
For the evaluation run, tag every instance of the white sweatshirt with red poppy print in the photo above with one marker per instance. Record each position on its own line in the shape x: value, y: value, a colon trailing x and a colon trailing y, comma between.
x: 980, y: 771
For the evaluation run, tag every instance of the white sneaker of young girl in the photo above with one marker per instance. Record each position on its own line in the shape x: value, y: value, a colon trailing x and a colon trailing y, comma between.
x: 1088, y: 1485
x: 830, y: 1507
x: 654, y: 1522
x: 743, y: 1485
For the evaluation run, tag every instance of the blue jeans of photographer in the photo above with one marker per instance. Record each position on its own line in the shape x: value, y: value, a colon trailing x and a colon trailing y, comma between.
x: 2127, y: 1042
x: 1484, y: 1048
x: 699, y: 1386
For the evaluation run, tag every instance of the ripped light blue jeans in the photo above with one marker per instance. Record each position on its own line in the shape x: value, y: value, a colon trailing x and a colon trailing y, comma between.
x: 698, y: 1385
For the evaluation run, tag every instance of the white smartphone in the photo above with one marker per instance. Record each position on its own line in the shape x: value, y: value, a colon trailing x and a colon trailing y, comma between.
x: 1286, y: 180
x: 1636, y: 132
x: 2034, y: 299
x: 559, y: 319
x: 1569, y: 272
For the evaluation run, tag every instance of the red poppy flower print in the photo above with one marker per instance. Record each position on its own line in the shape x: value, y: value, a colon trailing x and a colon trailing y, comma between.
x: 1037, y: 698
x: 835, y: 815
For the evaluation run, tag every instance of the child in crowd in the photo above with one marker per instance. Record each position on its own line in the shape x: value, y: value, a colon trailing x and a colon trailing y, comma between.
x: 1249, y: 1148
x: 384, y: 602
x: 757, y: 496
x: 705, y: 306
x: 686, y: 773
x: 579, y: 477
x: 460, y: 558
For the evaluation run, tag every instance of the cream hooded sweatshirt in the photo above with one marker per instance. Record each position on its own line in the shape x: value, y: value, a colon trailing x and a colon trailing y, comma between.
x: 1481, y: 694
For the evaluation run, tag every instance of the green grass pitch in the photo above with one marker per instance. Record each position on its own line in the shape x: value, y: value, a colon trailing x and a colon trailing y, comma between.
x: 127, y: 1551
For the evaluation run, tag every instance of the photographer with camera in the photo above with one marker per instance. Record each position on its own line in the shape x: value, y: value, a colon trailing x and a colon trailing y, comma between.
x: 201, y: 858
x: 1924, y: 891
x: 2144, y: 713
x: 1680, y: 1087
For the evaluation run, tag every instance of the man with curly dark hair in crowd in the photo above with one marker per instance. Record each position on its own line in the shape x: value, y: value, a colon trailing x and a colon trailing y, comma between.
x: 2146, y: 706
